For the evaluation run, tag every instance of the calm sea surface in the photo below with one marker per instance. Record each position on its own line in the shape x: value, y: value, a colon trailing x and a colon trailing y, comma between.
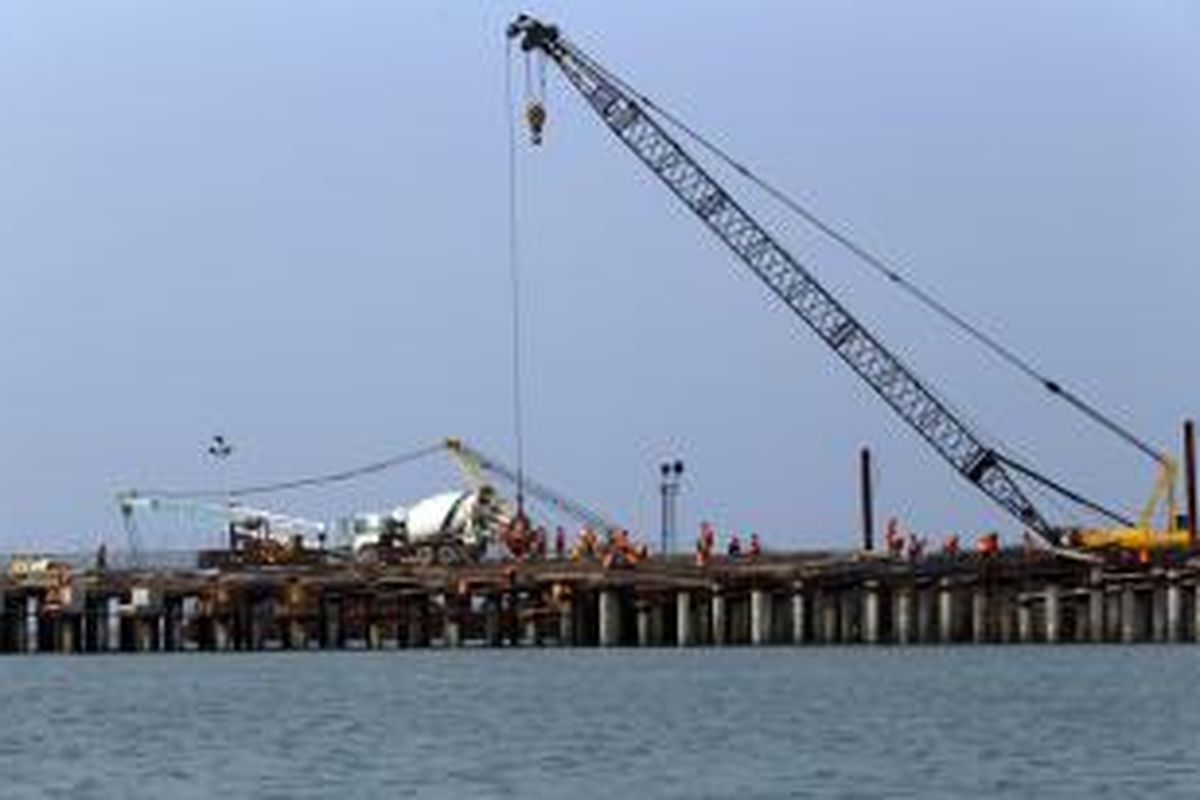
x: 959, y: 722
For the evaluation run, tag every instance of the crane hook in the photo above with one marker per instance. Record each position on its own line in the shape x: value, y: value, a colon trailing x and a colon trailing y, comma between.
x: 535, y: 115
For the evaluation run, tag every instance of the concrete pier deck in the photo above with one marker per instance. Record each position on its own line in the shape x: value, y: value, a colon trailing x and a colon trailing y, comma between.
x: 799, y: 599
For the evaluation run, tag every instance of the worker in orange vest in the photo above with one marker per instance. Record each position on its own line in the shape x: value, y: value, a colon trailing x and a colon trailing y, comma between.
x: 894, y: 538
x: 989, y: 544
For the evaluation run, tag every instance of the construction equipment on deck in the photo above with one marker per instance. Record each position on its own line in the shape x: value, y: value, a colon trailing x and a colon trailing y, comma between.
x: 639, y: 124
x: 449, y: 528
x: 256, y: 537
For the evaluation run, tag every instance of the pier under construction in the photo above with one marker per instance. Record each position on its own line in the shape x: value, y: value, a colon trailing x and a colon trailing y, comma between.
x: 470, y: 567
x: 800, y: 599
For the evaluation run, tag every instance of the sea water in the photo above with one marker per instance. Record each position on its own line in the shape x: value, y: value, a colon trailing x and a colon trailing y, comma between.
x: 979, y: 722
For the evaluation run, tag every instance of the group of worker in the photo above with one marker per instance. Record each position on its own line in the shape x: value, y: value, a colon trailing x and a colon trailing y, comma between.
x: 706, y: 543
x: 525, y: 542
x: 913, y: 547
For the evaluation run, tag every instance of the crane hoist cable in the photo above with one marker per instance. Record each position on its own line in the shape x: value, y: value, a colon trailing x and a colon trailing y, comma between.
x: 514, y: 266
x: 887, y: 270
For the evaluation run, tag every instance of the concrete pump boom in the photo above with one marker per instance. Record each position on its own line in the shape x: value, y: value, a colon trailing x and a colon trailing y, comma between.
x: 476, y: 466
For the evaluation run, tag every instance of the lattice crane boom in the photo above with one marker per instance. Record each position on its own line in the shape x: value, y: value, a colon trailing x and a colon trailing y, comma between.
x: 783, y: 274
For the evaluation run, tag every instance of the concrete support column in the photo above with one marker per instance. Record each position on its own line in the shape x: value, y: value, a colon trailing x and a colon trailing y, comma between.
x: 221, y: 638
x: 870, y: 613
x: 1129, y: 615
x: 718, y: 617
x: 760, y: 617
x: 1196, y: 613
x: 658, y: 623
x: 704, y: 627
x: 848, y: 612
x: 979, y: 616
x: 333, y: 625
x: 566, y: 620
x: 1095, y: 611
x: 737, y: 618
x: 798, y: 613
x: 112, y: 624
x: 493, y: 630
x: 1174, y: 608
x: 33, y: 616
x: 257, y: 633
x: 685, y: 634
x: 416, y: 611
x: 1080, y: 616
x: 925, y: 615
x: 829, y: 617
x: 1024, y: 620
x: 903, y: 604
x: 68, y: 641
x: 1053, y: 614
x: 375, y: 637
x: 451, y: 629
x: 144, y: 628
x: 1158, y: 614
x: 87, y: 627
x: 173, y: 625
x: 1006, y: 615
x: 644, y: 636
x: 1112, y: 614
x: 188, y: 610
x: 297, y: 634
x: 530, y: 634
x: 947, y: 612
x: 610, y: 618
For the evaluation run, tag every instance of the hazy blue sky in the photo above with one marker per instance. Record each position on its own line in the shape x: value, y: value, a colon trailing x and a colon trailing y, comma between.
x: 286, y: 222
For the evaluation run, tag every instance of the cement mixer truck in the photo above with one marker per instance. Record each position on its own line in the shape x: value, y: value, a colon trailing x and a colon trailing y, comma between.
x: 447, y: 528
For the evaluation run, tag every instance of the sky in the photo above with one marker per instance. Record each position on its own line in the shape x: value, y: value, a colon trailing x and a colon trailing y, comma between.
x: 287, y: 223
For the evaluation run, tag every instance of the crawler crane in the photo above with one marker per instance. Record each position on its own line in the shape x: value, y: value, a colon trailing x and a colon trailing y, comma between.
x: 641, y: 126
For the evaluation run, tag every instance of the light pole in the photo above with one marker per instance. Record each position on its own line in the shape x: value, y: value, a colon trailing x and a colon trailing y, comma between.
x: 670, y: 474
x: 221, y: 449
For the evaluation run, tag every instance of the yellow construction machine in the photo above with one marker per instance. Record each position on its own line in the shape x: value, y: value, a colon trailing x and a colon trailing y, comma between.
x: 1159, y: 526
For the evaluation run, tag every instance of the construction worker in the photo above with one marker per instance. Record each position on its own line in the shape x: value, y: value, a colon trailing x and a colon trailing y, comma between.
x: 894, y: 538
x: 916, y: 547
x: 755, y: 546
x: 539, y: 543
x: 735, y: 546
x: 516, y: 536
x: 951, y: 545
x: 560, y: 543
